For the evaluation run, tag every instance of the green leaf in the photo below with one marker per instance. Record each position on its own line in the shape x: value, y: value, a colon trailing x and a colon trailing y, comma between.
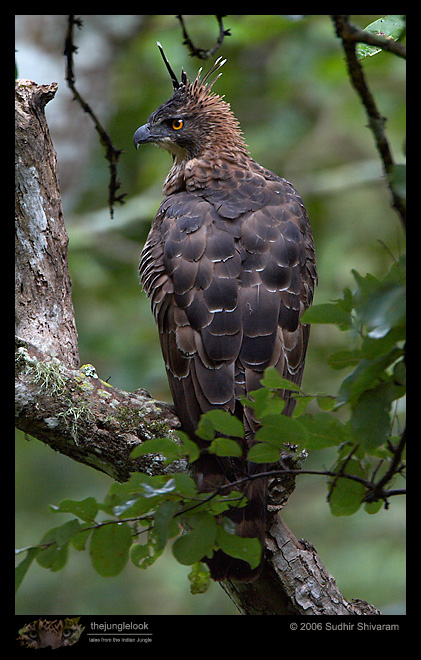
x: 397, y: 178
x: 225, y: 447
x: 199, y: 578
x: 328, y: 313
x: 264, y: 402
x: 129, y: 499
x: 85, y: 509
x: 384, y: 309
x: 344, y: 358
x: 185, y: 485
x: 274, y: 380
x: 263, y: 453
x: 326, y: 402
x: 165, y: 526
x: 373, y: 507
x: 278, y: 429
x: 121, y: 492
x: 322, y: 430
x: 205, y: 428
x: 222, y: 503
x: 368, y: 285
x: 399, y: 375
x: 64, y: 533
x: 22, y: 568
x: 191, y: 547
x: 109, y: 548
x: 55, y: 556
x: 379, y: 346
x: 247, y: 549
x: 80, y: 539
x: 190, y: 448
x: 301, y: 405
x: 128, y: 507
x: 165, y: 446
x: 346, y: 496
x: 222, y: 422
x: 391, y: 27
x: 370, y: 421
x: 143, y: 556
x: 366, y: 376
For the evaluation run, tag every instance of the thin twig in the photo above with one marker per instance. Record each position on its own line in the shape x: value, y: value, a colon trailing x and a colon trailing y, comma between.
x: 395, y: 465
x: 111, y: 154
x: 376, y: 122
x: 341, y: 472
x: 202, y: 53
x: 371, y: 487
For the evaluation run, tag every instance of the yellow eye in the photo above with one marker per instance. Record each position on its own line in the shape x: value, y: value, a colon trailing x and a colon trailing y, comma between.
x: 177, y: 124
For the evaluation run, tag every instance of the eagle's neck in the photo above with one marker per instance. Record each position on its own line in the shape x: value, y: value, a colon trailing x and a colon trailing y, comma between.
x: 176, y: 180
x: 214, y: 166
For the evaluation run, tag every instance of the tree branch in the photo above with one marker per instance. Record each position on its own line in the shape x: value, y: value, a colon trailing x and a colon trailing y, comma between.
x: 347, y: 34
x: 111, y: 153
x: 375, y: 490
x: 81, y: 416
x: 76, y: 413
x: 202, y: 53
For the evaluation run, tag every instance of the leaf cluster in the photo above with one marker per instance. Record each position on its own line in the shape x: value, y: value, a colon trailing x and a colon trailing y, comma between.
x: 375, y: 316
x: 135, y: 522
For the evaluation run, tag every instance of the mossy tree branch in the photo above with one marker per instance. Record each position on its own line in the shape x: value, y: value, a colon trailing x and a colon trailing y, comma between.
x: 81, y: 416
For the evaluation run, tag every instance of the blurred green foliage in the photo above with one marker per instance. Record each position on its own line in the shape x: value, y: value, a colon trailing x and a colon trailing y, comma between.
x: 287, y: 84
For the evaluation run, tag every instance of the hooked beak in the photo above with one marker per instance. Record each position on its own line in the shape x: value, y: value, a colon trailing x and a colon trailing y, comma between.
x: 142, y: 135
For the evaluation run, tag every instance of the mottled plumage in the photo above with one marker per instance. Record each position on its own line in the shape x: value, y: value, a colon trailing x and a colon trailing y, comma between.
x: 229, y: 268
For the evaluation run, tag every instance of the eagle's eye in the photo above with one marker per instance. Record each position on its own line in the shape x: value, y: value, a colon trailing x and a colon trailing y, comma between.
x: 177, y: 124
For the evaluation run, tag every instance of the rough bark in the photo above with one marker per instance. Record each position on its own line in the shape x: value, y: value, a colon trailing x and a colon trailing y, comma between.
x: 294, y: 581
x: 76, y: 413
x: 44, y: 308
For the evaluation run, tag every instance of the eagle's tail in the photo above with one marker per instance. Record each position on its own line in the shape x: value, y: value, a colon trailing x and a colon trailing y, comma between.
x: 249, y: 520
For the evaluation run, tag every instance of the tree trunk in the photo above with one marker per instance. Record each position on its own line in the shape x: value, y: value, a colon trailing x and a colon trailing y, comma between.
x: 76, y: 413
x: 44, y: 308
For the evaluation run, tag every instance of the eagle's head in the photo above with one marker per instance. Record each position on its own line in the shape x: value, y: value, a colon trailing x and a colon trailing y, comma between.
x: 194, y: 121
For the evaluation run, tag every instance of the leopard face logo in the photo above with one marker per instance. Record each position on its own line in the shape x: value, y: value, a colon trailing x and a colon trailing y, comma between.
x: 42, y: 633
